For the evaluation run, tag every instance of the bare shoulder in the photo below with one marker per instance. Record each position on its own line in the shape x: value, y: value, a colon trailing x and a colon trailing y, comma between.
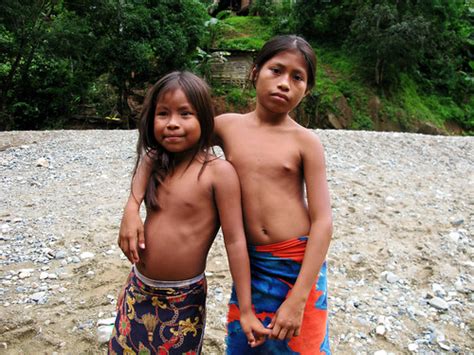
x: 220, y: 167
x: 228, y: 119
x: 307, y: 138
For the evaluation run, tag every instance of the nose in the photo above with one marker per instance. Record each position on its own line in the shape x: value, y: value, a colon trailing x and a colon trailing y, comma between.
x: 283, y: 84
x: 172, y: 123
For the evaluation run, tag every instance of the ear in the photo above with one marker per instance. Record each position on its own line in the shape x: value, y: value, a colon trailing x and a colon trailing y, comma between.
x: 254, y: 75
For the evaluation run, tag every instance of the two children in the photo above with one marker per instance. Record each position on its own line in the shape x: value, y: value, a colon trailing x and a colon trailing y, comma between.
x: 275, y: 159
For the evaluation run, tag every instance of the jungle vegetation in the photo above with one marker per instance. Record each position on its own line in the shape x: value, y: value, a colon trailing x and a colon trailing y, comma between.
x: 387, y: 64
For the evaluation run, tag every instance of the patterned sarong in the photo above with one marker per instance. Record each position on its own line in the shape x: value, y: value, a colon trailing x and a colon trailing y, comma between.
x: 275, y: 268
x: 167, y: 319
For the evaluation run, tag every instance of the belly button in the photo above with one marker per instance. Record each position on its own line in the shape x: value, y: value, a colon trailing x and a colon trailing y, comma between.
x: 264, y: 231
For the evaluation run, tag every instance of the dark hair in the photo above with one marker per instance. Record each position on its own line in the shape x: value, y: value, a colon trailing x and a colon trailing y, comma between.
x: 197, y: 93
x: 279, y: 44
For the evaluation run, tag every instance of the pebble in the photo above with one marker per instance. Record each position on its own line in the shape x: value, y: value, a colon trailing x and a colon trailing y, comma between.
x: 391, y: 277
x: 439, y: 303
x: 86, y: 255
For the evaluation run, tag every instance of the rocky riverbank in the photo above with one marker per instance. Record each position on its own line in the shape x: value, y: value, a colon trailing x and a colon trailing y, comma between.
x: 400, y: 263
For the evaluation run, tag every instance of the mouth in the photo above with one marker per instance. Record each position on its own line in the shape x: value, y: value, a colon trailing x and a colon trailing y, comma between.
x: 172, y: 139
x: 280, y: 96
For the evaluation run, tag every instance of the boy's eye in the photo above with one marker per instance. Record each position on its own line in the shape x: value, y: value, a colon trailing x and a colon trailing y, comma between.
x: 299, y: 77
x: 275, y: 70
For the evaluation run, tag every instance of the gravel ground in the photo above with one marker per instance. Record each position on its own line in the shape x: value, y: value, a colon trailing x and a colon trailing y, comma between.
x: 400, y: 263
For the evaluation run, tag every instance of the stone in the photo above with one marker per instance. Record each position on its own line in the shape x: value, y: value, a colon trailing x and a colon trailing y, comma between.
x: 42, y: 162
x: 86, y: 255
x: 391, y: 277
x: 438, y: 303
x: 104, y: 333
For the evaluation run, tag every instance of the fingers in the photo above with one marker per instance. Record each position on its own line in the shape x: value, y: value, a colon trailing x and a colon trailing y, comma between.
x: 297, y: 331
x: 133, y: 252
x: 260, y: 333
x: 283, y: 331
x: 250, y: 338
x: 141, y: 238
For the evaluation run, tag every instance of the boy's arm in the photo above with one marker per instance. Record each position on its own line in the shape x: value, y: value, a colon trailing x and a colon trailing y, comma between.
x: 228, y: 199
x: 288, y: 319
x: 131, y: 231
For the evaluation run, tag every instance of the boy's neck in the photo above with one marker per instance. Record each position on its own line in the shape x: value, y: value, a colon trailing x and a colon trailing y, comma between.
x: 266, y: 117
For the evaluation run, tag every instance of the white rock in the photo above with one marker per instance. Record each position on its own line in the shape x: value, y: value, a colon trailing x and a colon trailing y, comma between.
x: 380, y: 330
x: 391, y: 277
x: 43, y: 275
x: 438, y: 303
x: 24, y: 274
x: 106, y: 321
x: 86, y: 255
x: 5, y: 228
x: 42, y: 162
x: 413, y: 347
x: 438, y: 289
x: 38, y: 296
x: 104, y: 332
x: 454, y: 236
x: 458, y: 285
x: 380, y: 352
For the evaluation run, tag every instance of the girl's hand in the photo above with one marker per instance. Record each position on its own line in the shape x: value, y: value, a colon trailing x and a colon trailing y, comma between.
x: 131, y: 235
x: 287, y: 320
x: 254, y: 330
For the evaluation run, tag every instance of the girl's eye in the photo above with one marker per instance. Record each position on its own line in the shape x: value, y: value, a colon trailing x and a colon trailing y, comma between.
x: 161, y: 113
x: 186, y: 113
x: 275, y: 70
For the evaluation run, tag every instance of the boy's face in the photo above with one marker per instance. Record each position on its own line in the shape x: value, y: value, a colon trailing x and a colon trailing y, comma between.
x: 282, y: 81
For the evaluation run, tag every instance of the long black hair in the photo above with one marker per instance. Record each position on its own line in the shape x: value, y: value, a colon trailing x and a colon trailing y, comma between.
x: 163, y: 161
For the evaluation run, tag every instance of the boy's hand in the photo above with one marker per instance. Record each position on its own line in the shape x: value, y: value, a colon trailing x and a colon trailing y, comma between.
x: 131, y: 235
x: 254, y: 330
x: 287, y: 320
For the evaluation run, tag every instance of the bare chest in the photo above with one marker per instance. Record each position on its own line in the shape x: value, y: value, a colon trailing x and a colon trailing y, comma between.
x: 264, y: 154
x: 185, y: 193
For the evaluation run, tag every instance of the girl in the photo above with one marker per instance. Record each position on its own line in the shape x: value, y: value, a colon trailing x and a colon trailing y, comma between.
x: 189, y: 194
x: 276, y: 159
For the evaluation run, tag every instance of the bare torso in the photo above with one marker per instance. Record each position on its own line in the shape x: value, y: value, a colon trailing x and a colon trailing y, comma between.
x: 179, y: 235
x: 269, y: 165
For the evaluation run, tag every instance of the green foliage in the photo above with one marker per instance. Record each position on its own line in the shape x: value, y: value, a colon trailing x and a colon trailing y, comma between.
x: 325, y: 21
x: 243, y: 33
x: 362, y: 121
x: 388, y: 41
x: 53, y: 52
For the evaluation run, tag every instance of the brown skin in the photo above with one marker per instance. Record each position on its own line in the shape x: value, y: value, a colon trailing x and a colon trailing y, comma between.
x: 191, y: 211
x: 274, y: 158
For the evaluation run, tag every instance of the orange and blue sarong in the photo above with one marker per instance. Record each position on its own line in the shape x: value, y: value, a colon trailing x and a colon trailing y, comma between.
x: 275, y: 268
x: 159, y: 317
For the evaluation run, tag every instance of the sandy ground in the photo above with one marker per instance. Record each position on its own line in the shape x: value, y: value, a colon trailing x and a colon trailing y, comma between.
x: 400, y: 263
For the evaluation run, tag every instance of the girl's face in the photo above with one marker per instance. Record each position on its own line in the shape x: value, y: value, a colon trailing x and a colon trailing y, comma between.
x: 176, y: 125
x: 282, y: 81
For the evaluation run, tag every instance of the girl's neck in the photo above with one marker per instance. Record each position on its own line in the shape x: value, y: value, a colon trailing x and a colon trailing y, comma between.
x: 186, y: 158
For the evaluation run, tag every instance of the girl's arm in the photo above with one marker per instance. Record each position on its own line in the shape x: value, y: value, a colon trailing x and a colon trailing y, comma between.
x: 288, y: 319
x: 131, y: 233
x: 228, y: 200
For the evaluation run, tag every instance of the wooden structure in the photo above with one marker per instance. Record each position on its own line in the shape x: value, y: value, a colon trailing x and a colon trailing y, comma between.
x: 235, y: 70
